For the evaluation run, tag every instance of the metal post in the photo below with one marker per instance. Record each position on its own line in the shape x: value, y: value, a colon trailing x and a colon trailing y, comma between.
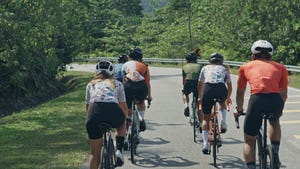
x: 189, y: 23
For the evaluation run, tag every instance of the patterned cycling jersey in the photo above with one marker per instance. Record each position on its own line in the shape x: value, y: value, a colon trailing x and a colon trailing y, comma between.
x: 136, y: 71
x: 214, y: 74
x: 263, y: 76
x: 191, y: 71
x: 103, y: 91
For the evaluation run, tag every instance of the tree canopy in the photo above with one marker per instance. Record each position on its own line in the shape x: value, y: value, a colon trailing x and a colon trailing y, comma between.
x: 38, y: 38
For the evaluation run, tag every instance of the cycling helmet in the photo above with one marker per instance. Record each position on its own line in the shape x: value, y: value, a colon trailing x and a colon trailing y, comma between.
x: 262, y: 46
x: 122, y: 58
x: 191, y: 57
x: 216, y: 58
x: 105, y: 66
x: 136, y: 53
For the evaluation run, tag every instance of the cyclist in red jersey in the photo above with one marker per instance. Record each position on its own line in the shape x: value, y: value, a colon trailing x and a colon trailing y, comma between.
x: 268, y: 82
x: 137, y: 83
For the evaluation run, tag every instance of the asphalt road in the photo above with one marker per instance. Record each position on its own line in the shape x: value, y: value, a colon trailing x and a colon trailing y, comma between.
x: 168, y: 141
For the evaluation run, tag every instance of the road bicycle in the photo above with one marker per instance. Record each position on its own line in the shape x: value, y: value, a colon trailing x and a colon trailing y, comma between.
x: 265, y: 154
x: 134, y: 130
x: 214, y: 136
x: 108, y: 151
x: 195, y: 118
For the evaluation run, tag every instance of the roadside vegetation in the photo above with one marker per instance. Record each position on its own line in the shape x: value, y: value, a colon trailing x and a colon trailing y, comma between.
x: 49, y: 135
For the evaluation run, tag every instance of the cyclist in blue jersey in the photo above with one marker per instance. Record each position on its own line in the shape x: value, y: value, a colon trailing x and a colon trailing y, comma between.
x: 118, y: 67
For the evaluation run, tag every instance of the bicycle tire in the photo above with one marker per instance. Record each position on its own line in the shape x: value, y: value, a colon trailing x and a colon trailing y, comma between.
x: 104, y: 159
x: 215, y: 141
x: 194, y: 120
x: 111, y: 153
x: 270, y: 159
x: 132, y: 143
x: 260, y: 150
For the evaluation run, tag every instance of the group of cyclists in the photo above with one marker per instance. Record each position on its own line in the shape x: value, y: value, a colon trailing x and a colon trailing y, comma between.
x: 109, y: 96
x: 268, y: 82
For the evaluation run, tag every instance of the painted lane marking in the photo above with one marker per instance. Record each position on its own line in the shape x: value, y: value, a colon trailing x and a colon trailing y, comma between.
x: 290, y: 122
x: 297, y: 136
x: 291, y: 111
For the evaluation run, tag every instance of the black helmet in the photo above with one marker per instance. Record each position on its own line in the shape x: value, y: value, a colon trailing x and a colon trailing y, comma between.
x: 136, y: 53
x: 216, y: 58
x: 123, y: 58
x: 191, y: 57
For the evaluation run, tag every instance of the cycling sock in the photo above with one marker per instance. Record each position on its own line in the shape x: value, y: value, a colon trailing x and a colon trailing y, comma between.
x: 186, y: 104
x: 275, y: 146
x: 142, y: 113
x: 205, y: 136
x: 251, y: 165
x: 223, y: 112
x: 120, y: 142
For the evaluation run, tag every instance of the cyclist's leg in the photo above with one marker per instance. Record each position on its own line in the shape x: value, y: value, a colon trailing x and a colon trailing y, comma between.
x: 253, y: 115
x: 141, y: 94
x: 276, y: 103
x: 95, y: 134
x: 206, y: 109
x: 221, y: 94
x: 187, y: 89
x: 95, y: 154
x: 129, y: 96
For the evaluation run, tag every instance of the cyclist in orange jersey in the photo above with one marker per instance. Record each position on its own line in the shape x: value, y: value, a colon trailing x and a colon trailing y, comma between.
x: 268, y: 82
x: 137, y: 83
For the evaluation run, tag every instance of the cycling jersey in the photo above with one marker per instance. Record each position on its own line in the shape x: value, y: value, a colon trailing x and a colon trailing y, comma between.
x: 103, y: 91
x: 191, y: 71
x: 214, y: 74
x: 264, y: 76
x: 136, y: 71
x: 118, y: 71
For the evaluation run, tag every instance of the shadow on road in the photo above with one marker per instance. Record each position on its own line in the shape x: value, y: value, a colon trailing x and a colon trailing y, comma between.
x: 152, y: 160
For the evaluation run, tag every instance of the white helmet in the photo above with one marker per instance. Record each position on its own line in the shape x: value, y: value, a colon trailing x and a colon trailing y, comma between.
x: 105, y: 66
x: 262, y: 46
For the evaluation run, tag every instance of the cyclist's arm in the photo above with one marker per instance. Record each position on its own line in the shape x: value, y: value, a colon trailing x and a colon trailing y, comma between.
x: 124, y: 108
x: 240, y: 93
x: 284, y: 84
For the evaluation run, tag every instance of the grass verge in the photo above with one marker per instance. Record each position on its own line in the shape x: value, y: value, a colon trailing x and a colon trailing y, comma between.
x: 50, y: 135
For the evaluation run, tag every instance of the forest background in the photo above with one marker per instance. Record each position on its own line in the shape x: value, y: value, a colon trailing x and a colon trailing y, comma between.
x: 38, y: 38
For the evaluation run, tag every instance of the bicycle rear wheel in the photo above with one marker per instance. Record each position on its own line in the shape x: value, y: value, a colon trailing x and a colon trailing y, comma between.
x: 215, y: 141
x: 261, y: 151
x: 112, y: 159
x: 270, y: 159
x: 104, y: 160
x: 132, y: 142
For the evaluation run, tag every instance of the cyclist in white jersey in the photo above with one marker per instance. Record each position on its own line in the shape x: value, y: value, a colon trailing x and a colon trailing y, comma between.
x: 105, y: 103
x: 211, y: 85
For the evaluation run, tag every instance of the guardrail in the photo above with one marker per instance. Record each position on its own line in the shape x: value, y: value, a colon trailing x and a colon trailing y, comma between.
x: 290, y: 68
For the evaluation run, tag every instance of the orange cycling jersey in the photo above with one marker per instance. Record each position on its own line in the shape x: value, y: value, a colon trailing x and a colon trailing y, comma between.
x: 264, y: 76
x: 136, y: 71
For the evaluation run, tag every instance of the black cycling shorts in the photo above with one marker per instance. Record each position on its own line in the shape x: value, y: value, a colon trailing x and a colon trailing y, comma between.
x: 135, y: 90
x: 258, y: 104
x: 190, y: 86
x: 109, y: 113
x: 212, y: 91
